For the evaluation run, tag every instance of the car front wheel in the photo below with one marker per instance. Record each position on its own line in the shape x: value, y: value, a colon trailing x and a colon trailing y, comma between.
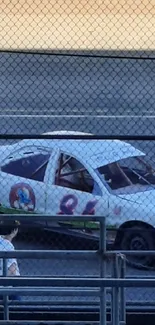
x: 138, y: 239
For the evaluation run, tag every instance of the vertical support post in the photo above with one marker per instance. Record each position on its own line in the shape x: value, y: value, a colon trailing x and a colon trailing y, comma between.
x: 102, y: 247
x: 122, y: 291
x: 115, y: 293
x: 5, y: 298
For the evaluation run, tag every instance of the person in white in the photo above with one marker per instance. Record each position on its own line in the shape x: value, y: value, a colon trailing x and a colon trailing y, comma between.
x: 7, y: 234
x: 6, y: 245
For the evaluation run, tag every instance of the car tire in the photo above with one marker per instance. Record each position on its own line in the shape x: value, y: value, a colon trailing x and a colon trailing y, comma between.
x: 137, y: 238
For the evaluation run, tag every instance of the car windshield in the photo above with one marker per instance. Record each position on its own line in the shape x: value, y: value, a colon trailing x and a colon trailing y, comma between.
x: 128, y: 175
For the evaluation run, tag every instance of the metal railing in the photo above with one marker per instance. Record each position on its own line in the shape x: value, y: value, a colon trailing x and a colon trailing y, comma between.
x: 66, y: 286
x: 101, y: 286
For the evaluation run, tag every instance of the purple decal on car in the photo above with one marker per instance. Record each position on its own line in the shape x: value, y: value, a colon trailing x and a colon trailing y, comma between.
x: 22, y: 197
x: 90, y: 207
x: 68, y: 204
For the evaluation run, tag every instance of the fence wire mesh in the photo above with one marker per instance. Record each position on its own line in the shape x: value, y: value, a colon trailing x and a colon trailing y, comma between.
x: 109, y: 178
x: 77, y: 25
x: 41, y: 93
x: 95, y: 73
x: 79, y: 66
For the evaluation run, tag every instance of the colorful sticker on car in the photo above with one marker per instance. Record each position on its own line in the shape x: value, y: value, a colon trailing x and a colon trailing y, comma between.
x: 22, y: 197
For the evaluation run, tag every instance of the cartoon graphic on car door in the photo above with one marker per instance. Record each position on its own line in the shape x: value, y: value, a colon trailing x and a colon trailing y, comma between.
x: 74, y: 190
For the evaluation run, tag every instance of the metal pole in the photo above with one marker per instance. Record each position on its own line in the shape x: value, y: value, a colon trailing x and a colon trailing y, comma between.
x: 5, y: 298
x: 115, y: 293
x: 102, y: 247
x: 122, y: 290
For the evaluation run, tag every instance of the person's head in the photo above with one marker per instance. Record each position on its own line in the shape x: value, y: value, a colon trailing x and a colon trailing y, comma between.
x: 9, y: 230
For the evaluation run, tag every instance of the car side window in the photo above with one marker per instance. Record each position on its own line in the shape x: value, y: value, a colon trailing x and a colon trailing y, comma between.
x: 30, y: 167
x: 72, y: 174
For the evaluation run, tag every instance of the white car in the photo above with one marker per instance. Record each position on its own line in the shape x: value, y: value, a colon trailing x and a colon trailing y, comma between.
x: 100, y: 177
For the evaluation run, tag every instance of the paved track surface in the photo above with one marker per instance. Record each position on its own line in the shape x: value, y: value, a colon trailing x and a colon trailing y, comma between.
x: 47, y: 93
x: 40, y: 94
x: 52, y: 85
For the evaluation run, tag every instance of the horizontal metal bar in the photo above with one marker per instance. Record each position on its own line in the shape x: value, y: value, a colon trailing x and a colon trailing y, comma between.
x: 75, y: 137
x: 58, y: 304
x: 90, y: 305
x: 53, y: 322
x: 125, y: 252
x: 50, y: 292
x: 46, y: 254
x: 48, y: 305
x: 67, y: 276
x: 91, y: 54
x: 60, y: 309
x: 55, y: 305
x: 46, y: 217
x: 141, y: 303
x: 65, y: 309
x: 78, y: 282
x: 87, y: 305
x: 139, y: 277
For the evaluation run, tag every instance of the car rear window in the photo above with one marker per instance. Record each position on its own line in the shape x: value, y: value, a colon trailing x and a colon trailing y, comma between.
x: 32, y: 167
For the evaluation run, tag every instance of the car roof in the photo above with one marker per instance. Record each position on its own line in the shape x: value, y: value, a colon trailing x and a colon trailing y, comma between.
x: 96, y: 153
x: 65, y: 132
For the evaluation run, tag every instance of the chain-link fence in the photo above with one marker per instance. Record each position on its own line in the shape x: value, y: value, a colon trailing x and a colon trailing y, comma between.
x: 112, y: 178
x: 67, y: 286
x: 81, y: 66
x: 42, y: 93
x: 84, y: 25
x: 80, y: 175
x: 95, y: 73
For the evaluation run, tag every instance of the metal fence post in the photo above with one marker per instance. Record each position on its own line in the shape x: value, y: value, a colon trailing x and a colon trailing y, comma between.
x: 5, y: 298
x: 102, y: 247
x: 115, y: 293
x: 122, y: 290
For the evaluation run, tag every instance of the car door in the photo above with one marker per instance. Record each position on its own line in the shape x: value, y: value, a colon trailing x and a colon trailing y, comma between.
x: 22, y: 181
x: 74, y: 189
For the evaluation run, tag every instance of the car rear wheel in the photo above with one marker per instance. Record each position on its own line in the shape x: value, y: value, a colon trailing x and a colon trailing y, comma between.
x: 137, y: 238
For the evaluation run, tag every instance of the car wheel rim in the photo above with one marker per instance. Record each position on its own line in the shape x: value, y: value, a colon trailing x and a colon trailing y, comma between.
x: 138, y: 243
